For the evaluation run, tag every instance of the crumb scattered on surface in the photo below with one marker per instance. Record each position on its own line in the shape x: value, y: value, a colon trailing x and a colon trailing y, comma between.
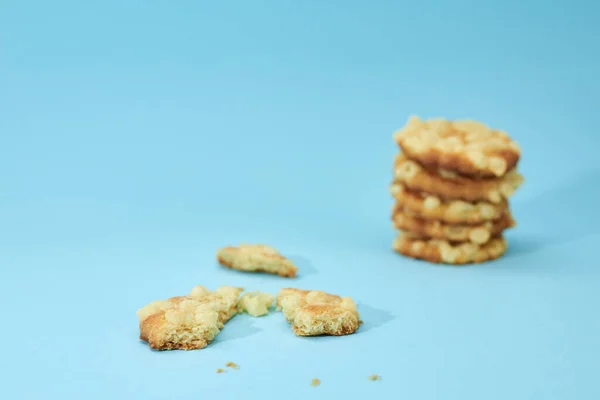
x: 256, y: 304
x: 220, y: 370
x: 374, y: 377
x: 232, y: 365
x: 315, y: 382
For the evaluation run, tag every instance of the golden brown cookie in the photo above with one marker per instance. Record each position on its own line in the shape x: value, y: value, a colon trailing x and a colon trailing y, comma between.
x: 431, y: 207
x: 256, y: 258
x: 467, y: 147
x: 187, y: 322
x: 442, y: 251
x: 478, y: 234
x: 315, y: 313
x: 457, y: 187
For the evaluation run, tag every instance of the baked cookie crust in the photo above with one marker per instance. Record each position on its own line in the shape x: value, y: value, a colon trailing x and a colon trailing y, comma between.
x: 315, y: 313
x: 443, y: 251
x: 432, y: 207
x: 416, y: 178
x: 256, y: 258
x: 478, y: 234
x: 467, y: 147
x: 187, y: 322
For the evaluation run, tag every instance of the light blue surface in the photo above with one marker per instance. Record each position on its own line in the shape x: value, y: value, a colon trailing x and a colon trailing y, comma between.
x: 137, y: 137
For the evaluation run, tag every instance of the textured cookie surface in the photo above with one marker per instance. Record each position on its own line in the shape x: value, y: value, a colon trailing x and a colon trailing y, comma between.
x: 451, y: 186
x: 432, y: 207
x: 478, y: 234
x: 187, y: 322
x: 256, y: 258
x: 315, y: 313
x: 442, y: 251
x: 467, y: 147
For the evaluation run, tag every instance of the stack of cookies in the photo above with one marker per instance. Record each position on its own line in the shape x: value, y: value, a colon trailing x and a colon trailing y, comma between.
x: 452, y: 182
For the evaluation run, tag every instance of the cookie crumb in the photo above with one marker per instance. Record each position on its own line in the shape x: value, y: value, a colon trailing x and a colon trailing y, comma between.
x: 220, y: 370
x: 256, y: 304
x: 232, y: 365
x: 374, y: 377
x: 315, y: 382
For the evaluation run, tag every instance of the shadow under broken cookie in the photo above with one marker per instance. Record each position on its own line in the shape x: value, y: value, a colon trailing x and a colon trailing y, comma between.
x: 567, y: 212
x: 372, y: 318
x: 305, y: 266
x: 239, y: 327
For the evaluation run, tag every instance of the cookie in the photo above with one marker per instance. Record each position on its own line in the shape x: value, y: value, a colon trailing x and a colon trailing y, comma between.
x: 187, y: 322
x: 416, y: 178
x: 466, y: 147
x: 443, y: 251
x: 315, y: 313
x: 431, y: 207
x: 256, y: 258
x: 478, y: 234
x: 256, y: 304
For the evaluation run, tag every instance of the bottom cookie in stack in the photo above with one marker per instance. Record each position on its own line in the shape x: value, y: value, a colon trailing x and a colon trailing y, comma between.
x: 448, y: 252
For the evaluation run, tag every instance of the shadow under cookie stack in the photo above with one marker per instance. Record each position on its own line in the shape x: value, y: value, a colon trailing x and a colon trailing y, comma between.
x: 452, y: 182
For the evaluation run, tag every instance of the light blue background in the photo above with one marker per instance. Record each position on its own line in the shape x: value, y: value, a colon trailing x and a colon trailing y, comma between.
x: 137, y: 137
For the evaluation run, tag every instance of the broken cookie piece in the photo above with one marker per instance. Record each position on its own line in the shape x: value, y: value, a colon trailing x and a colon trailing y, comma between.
x: 315, y: 313
x: 256, y: 303
x: 256, y: 258
x: 187, y: 322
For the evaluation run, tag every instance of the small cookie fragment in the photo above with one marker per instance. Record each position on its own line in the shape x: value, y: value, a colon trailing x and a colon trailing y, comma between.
x: 315, y: 382
x: 256, y: 258
x: 232, y: 365
x: 432, y: 207
x: 478, y: 234
x: 467, y: 147
x: 315, y: 313
x: 443, y: 251
x: 416, y: 178
x: 374, y: 377
x: 187, y: 322
x: 220, y: 370
x: 256, y: 303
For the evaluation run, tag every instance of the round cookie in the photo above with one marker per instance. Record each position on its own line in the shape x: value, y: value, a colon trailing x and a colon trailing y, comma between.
x: 419, y: 179
x: 442, y: 251
x: 478, y: 234
x: 431, y: 207
x: 467, y: 147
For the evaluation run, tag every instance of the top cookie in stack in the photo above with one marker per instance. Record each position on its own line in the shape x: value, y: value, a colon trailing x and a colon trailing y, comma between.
x: 452, y: 182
